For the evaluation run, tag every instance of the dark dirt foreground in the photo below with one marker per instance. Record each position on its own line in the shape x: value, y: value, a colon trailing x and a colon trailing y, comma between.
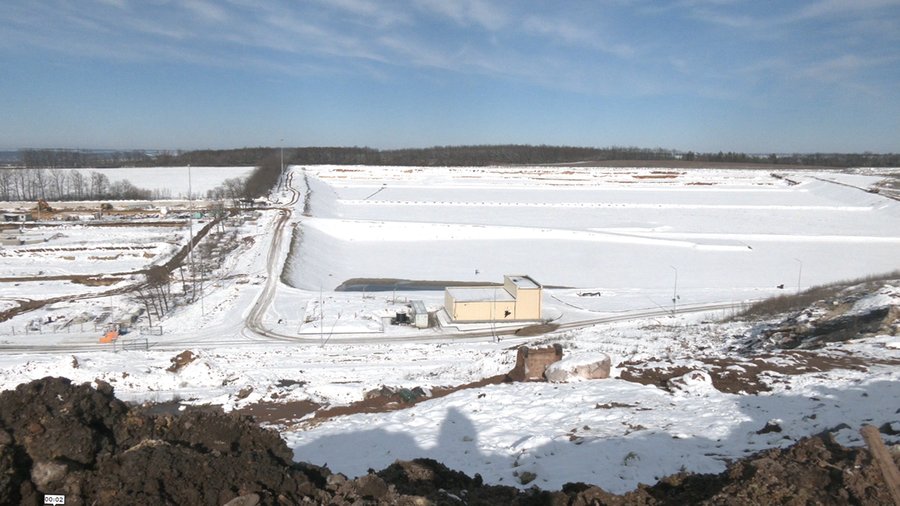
x: 60, y: 438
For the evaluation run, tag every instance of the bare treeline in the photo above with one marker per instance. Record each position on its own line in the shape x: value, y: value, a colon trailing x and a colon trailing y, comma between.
x: 44, y: 182
x: 511, y: 154
x: 68, y: 184
x: 105, y: 159
x: 77, y: 158
x: 232, y: 188
x: 478, y: 155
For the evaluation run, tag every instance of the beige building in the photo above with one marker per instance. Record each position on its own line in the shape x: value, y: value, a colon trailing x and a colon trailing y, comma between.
x: 519, y: 299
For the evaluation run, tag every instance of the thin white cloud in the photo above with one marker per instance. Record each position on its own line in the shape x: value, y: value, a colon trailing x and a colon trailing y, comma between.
x: 845, y: 73
x: 568, y: 33
x: 560, y: 30
x: 378, y: 13
x: 155, y: 28
x: 416, y: 52
x: 487, y: 15
x: 711, y: 11
x: 839, y: 68
x: 367, y: 38
x: 285, y: 31
x: 841, y: 7
x: 466, y: 12
x: 120, y: 4
x: 207, y: 11
x: 727, y: 19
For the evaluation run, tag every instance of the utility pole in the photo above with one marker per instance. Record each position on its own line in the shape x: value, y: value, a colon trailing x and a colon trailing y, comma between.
x: 281, y: 179
x: 675, y: 292
x: 191, y: 238
x: 321, y: 317
x: 799, y: 273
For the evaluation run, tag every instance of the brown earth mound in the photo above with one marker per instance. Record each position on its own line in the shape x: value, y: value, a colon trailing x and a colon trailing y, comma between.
x: 81, y: 442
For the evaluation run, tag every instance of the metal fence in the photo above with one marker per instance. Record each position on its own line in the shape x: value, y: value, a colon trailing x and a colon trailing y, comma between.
x: 151, y: 331
x: 131, y: 344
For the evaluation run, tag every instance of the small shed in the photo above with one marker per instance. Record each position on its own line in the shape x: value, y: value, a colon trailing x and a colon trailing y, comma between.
x: 18, y: 216
x: 419, y: 314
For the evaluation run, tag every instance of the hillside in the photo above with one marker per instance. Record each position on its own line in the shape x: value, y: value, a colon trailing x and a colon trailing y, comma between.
x: 806, y: 379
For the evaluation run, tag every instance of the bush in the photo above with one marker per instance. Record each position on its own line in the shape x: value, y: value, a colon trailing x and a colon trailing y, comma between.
x: 788, y: 303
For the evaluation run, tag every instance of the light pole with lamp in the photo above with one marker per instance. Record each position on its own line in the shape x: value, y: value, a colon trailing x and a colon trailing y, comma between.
x: 675, y: 292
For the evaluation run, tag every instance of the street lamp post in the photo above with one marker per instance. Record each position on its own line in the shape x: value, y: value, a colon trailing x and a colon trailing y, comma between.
x: 191, y: 238
x: 799, y: 273
x: 675, y: 292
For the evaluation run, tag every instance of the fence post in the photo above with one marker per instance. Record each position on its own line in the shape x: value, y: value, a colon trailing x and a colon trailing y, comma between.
x: 883, y: 461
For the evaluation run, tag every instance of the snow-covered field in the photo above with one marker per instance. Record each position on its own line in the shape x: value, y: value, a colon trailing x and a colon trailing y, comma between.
x: 610, y: 244
x: 724, y: 234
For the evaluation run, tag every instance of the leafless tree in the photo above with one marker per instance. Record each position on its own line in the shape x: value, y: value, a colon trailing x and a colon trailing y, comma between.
x: 149, y: 304
x: 38, y: 183
x: 99, y: 183
x: 21, y: 185
x: 158, y: 283
x: 76, y: 179
x: 6, y: 184
x: 58, y: 184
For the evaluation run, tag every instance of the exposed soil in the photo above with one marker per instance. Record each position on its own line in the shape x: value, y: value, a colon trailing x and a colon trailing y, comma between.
x: 537, y: 330
x: 749, y: 375
x: 382, y: 400
x: 687, y: 164
x: 181, y: 360
x: 81, y: 442
x: 272, y: 413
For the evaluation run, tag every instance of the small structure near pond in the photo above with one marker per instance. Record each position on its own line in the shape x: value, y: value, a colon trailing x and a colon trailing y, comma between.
x: 519, y: 299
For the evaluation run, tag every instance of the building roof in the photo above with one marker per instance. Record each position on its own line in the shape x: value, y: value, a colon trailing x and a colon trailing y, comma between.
x: 524, y: 282
x: 480, y: 294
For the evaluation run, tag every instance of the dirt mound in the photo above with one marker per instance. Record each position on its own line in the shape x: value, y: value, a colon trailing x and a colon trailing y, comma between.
x: 816, y: 470
x: 827, y: 314
x: 181, y: 360
x: 85, y: 444
x: 81, y: 442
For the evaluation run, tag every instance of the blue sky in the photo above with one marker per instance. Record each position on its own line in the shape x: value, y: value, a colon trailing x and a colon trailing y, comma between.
x: 705, y: 75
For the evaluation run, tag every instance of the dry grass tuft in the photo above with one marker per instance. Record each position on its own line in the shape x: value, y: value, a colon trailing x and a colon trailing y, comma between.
x: 795, y: 302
